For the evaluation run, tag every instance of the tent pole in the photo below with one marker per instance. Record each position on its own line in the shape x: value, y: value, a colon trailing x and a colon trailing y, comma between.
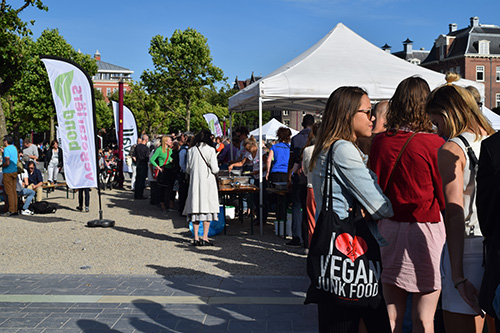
x: 231, y: 135
x: 261, y: 164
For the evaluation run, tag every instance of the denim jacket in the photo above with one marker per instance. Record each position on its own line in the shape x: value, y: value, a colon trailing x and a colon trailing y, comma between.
x: 351, y: 180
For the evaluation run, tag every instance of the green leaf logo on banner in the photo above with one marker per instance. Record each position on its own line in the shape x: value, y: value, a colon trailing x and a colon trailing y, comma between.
x: 62, y: 86
x: 211, y: 126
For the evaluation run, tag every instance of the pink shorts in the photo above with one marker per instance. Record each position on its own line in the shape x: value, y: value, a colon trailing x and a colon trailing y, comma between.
x: 411, y: 261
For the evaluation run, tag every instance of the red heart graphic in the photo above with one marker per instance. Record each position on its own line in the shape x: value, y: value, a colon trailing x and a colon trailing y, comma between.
x: 353, y: 248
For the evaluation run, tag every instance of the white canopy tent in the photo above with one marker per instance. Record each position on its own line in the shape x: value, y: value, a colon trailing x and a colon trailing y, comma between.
x: 269, y: 130
x: 341, y: 58
x: 492, y: 117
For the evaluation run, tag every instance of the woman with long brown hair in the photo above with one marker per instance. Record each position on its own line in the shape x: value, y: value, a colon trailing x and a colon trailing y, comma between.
x: 347, y: 116
x: 405, y: 161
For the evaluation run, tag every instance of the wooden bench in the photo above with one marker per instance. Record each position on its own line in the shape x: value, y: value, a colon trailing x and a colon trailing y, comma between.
x: 47, y: 187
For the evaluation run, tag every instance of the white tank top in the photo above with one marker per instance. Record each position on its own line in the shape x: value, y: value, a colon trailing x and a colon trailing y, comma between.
x: 470, y: 212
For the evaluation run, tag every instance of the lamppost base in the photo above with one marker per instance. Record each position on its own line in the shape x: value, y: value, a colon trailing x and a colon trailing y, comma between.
x: 103, y: 223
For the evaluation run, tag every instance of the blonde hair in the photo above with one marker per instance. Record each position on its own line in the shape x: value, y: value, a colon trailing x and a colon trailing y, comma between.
x: 250, y: 141
x: 475, y: 93
x: 164, y: 146
x: 458, y: 108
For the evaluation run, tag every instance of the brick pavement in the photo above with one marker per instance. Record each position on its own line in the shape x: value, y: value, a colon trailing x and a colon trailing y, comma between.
x: 123, y: 303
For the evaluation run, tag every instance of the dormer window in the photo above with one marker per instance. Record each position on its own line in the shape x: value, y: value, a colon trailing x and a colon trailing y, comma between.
x: 484, y: 47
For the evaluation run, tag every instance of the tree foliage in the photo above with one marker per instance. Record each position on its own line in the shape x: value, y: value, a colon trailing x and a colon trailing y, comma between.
x: 183, y: 66
x: 33, y: 105
x: 12, y: 48
x: 104, y: 112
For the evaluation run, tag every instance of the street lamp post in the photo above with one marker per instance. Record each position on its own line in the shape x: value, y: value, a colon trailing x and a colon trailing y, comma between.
x: 120, y: 132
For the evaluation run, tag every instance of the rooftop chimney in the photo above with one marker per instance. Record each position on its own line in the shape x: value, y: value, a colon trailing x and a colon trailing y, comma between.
x: 474, y: 21
x: 97, y: 55
x: 408, y: 46
x: 453, y: 27
x: 386, y: 48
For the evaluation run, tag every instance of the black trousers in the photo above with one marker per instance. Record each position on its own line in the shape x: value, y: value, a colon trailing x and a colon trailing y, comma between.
x: 140, y: 179
x: 333, y: 319
x: 183, y: 191
x: 154, y: 199
x: 166, y: 183
x: 87, y: 197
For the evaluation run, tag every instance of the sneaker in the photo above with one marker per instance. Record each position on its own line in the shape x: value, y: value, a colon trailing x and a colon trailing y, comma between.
x: 26, y: 212
x: 86, y: 209
x: 79, y: 208
x: 294, y: 242
x: 7, y: 214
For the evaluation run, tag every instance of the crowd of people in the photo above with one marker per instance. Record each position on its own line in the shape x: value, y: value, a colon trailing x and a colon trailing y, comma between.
x: 430, y: 182
x: 422, y: 167
x: 21, y: 176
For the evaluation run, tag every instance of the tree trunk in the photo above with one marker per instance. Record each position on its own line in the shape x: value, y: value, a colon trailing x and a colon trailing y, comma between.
x: 188, y: 115
x: 52, y: 130
x: 3, y: 124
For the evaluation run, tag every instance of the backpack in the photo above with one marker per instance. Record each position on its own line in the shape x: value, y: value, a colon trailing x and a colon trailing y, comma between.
x: 43, y: 207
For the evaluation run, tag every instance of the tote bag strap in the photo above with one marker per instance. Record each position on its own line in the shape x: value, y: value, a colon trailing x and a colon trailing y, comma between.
x: 397, y: 160
x: 327, y: 186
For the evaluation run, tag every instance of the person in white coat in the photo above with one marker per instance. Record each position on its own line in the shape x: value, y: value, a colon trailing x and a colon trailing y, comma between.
x: 202, y: 203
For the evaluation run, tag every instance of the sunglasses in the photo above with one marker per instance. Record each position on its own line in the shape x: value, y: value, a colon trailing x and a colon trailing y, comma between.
x: 368, y: 112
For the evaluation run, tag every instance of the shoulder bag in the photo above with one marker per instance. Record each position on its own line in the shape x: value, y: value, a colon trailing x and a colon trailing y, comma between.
x: 204, y: 160
x: 157, y: 171
x: 343, y: 263
x: 474, y: 161
x: 397, y: 161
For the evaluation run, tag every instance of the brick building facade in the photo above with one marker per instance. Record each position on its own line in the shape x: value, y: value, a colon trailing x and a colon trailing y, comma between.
x: 108, y: 75
x: 472, y: 52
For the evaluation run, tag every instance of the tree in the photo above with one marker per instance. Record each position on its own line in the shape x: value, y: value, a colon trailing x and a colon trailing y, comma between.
x: 183, y: 65
x: 32, y: 102
x: 104, y: 112
x: 12, y: 49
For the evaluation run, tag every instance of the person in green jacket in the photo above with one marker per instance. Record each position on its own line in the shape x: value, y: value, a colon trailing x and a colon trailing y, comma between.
x: 162, y: 161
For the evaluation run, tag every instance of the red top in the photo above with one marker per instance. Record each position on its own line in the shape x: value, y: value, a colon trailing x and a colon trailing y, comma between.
x: 416, y: 191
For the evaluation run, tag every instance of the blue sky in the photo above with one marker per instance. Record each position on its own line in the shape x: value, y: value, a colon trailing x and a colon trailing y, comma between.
x: 248, y: 36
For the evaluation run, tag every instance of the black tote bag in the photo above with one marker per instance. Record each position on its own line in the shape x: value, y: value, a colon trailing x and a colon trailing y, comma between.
x: 343, y: 263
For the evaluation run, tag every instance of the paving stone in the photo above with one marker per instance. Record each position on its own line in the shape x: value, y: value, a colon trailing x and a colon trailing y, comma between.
x: 142, y: 315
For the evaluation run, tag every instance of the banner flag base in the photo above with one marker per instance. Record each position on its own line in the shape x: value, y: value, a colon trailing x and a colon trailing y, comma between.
x: 103, y: 223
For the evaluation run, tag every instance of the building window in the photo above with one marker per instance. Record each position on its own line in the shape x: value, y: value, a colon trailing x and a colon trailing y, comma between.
x: 108, y: 91
x: 286, y: 122
x: 484, y: 47
x: 285, y: 113
x: 115, y: 90
x: 498, y: 73
x: 498, y: 101
x: 480, y: 73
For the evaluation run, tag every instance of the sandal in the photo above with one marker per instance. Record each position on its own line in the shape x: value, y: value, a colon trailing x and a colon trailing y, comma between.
x: 196, y: 243
x: 206, y: 243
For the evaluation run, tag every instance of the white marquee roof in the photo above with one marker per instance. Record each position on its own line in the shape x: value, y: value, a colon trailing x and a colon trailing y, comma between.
x: 341, y: 58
